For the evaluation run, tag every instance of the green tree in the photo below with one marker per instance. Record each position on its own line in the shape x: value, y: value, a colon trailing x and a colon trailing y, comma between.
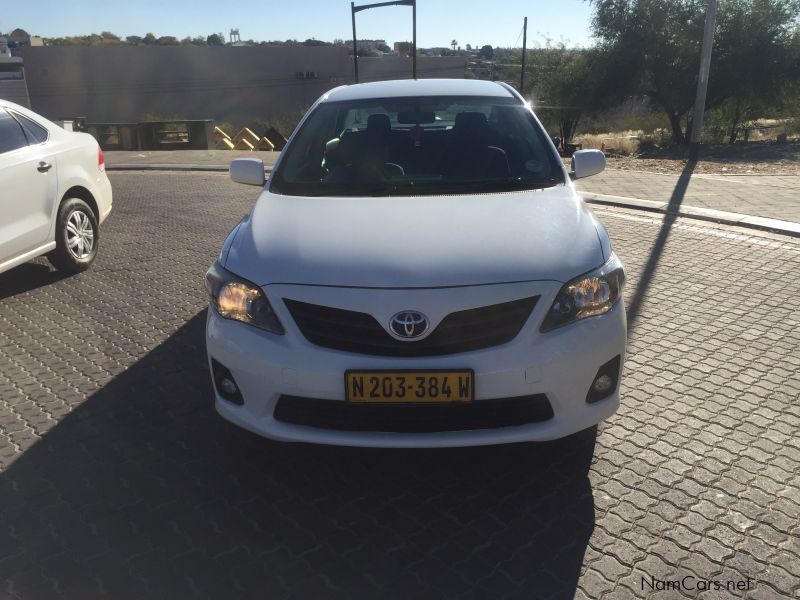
x: 198, y: 40
x: 486, y: 52
x: 167, y: 40
x: 662, y: 39
x: 754, y: 67
x: 573, y: 84
x: 657, y: 44
x: 215, y: 39
x: 109, y: 39
x: 134, y: 40
x: 149, y: 38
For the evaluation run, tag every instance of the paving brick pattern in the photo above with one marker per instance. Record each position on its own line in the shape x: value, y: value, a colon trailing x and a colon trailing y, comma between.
x: 773, y: 196
x: 120, y: 481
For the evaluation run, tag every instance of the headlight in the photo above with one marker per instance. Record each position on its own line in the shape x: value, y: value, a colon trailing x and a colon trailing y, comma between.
x: 238, y: 299
x: 589, y: 295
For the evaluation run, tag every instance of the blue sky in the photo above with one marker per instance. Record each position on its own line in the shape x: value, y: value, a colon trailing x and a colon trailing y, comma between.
x: 475, y: 22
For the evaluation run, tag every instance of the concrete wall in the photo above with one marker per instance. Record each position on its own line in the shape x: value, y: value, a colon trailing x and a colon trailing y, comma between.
x: 123, y: 84
x: 120, y: 84
x: 14, y: 90
x: 399, y: 67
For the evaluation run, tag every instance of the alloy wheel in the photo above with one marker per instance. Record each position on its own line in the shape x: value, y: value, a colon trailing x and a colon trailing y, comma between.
x: 80, y: 234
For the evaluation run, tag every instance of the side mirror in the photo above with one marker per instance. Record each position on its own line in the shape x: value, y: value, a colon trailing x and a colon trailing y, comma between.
x: 586, y: 163
x: 249, y: 171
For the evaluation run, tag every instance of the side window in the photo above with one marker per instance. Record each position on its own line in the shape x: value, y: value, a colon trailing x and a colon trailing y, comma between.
x: 11, y: 135
x: 35, y: 132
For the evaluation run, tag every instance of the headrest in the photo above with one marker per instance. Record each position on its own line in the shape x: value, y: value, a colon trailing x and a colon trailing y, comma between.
x: 379, y: 123
x: 347, y: 148
x: 470, y: 122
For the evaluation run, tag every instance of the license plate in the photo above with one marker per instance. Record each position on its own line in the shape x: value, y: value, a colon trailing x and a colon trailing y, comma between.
x: 430, y: 387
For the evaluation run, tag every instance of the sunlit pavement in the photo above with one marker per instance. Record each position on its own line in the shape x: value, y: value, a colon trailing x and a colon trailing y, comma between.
x: 120, y: 481
x: 771, y: 196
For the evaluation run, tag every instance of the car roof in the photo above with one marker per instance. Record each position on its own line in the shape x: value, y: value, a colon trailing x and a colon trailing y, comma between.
x: 18, y: 108
x: 26, y: 112
x: 9, y: 104
x: 400, y: 88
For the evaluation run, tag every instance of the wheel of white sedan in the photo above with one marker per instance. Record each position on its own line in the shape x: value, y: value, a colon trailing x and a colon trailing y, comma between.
x: 77, y: 237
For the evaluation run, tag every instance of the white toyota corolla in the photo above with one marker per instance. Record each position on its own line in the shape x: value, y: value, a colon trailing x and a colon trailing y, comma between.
x: 418, y: 271
x: 54, y: 192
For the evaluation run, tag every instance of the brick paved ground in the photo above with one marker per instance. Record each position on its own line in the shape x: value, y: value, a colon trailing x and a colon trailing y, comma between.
x: 120, y: 481
x: 774, y: 196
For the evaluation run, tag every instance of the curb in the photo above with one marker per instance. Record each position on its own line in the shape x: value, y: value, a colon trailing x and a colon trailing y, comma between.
x: 166, y: 167
x: 175, y: 167
x: 703, y: 214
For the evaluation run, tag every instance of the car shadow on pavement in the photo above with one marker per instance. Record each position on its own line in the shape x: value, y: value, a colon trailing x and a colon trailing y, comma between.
x: 26, y: 277
x: 634, y: 306
x: 143, y: 491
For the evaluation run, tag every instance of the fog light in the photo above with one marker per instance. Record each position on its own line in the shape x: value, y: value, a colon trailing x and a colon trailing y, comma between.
x: 605, y: 381
x: 225, y: 383
x: 227, y: 386
x: 601, y: 385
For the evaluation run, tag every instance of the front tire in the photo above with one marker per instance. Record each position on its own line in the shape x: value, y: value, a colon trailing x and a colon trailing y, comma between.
x: 77, y: 237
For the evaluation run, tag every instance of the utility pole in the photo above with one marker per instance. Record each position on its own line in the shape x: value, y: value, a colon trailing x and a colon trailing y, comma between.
x: 354, y: 9
x: 355, y: 43
x: 524, y: 49
x: 702, y: 83
x: 414, y: 41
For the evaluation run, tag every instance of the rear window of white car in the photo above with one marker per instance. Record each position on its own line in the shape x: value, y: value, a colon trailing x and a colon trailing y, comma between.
x: 12, y: 137
x: 36, y: 133
x: 418, y: 145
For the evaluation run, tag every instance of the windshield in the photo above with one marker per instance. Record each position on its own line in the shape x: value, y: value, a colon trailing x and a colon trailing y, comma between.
x: 411, y: 146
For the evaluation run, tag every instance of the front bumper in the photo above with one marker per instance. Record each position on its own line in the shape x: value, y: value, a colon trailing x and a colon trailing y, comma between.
x: 561, y: 364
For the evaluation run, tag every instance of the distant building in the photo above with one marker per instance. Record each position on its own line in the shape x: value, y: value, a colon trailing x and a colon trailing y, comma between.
x: 13, y: 86
x: 371, y: 45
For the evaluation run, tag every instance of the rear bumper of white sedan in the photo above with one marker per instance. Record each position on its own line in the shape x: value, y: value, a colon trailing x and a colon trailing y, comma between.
x: 104, y: 196
x: 289, y: 372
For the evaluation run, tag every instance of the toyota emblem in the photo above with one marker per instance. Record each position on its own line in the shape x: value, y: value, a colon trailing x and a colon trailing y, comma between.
x: 409, y: 324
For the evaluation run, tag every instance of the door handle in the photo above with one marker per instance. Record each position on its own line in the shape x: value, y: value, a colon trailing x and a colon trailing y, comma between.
x: 44, y: 167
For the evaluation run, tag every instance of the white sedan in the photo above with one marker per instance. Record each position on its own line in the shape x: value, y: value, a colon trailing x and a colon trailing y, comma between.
x: 55, y: 192
x: 418, y: 271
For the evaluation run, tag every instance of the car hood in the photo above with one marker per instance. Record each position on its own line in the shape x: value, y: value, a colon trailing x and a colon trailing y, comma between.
x: 416, y: 241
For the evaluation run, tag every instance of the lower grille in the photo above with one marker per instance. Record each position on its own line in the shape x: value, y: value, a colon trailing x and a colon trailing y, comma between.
x: 413, y: 418
x: 462, y: 331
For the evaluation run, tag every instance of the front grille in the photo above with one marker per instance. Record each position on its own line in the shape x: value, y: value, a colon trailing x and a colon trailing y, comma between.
x: 462, y: 331
x: 413, y: 418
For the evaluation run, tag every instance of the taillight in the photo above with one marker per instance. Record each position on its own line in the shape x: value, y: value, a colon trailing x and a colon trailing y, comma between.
x: 101, y: 160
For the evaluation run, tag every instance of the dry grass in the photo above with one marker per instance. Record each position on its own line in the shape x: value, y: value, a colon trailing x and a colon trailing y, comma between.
x: 634, y: 142
x: 625, y: 143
